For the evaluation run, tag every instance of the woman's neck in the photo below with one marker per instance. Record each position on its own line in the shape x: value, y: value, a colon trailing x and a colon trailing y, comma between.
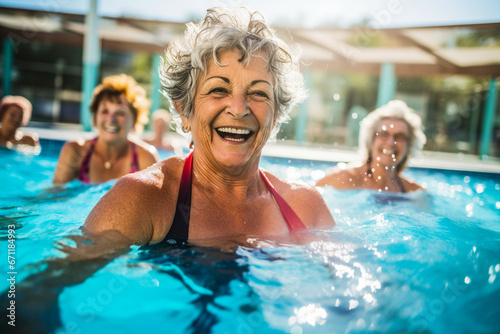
x: 239, y: 183
x: 111, y: 152
x: 385, y: 178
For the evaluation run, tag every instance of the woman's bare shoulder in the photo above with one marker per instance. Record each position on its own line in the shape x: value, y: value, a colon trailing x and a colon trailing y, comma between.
x: 30, y: 139
x: 76, y: 147
x: 163, y: 174
x: 137, y: 203
x: 342, y: 178
x: 305, y: 200
x: 410, y: 185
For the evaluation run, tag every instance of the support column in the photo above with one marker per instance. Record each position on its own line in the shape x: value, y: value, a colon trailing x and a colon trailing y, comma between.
x: 387, y: 84
x: 155, y: 83
x: 488, y: 120
x: 155, y: 87
x: 91, y: 63
x: 8, y: 55
x: 301, y: 125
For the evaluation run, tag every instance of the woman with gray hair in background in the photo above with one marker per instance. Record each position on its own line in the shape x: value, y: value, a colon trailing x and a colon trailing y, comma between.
x: 232, y: 82
x: 388, y: 137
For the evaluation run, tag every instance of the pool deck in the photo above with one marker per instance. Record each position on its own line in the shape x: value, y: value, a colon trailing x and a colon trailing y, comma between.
x: 425, y: 159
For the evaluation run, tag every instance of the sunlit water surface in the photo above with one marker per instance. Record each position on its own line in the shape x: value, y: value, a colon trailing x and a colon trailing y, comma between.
x: 425, y: 262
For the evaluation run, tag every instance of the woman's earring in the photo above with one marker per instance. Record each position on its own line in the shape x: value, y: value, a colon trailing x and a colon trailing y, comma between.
x: 186, y: 129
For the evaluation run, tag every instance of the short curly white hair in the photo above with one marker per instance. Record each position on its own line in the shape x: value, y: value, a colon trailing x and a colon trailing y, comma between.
x: 230, y: 28
x: 395, y: 109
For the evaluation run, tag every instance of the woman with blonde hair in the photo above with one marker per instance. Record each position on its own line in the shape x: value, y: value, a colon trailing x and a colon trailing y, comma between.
x: 119, y: 106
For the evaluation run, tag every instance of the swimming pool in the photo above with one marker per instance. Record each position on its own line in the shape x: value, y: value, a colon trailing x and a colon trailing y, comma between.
x: 416, y: 263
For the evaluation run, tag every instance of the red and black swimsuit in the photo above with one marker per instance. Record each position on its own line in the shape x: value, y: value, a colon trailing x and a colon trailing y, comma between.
x: 180, y: 225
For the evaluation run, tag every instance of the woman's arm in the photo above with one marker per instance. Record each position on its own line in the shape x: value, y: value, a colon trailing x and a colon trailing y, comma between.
x: 69, y: 163
x: 125, y: 210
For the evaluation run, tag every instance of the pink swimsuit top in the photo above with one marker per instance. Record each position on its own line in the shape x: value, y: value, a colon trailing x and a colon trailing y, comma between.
x: 180, y: 225
x: 83, y: 175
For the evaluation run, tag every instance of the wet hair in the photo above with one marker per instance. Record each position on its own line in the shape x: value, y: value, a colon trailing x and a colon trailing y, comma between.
x: 230, y: 29
x: 19, y: 101
x: 113, y: 87
x: 395, y: 109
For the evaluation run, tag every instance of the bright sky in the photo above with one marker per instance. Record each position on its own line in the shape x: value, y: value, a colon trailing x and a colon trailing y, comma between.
x: 306, y: 13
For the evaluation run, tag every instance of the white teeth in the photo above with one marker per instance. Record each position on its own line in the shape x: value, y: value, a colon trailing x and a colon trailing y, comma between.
x: 111, y: 128
x: 234, y: 131
x: 234, y: 139
x: 386, y: 151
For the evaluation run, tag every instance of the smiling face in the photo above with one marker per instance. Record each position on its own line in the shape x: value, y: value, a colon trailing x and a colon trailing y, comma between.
x: 12, y: 117
x: 114, y: 119
x: 390, y: 143
x: 233, y: 111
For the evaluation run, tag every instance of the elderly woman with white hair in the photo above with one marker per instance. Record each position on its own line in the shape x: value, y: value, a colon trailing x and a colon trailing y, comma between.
x: 388, y: 137
x: 232, y: 82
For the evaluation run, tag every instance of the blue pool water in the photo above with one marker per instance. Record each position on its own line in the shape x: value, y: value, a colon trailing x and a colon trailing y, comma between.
x: 425, y: 262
